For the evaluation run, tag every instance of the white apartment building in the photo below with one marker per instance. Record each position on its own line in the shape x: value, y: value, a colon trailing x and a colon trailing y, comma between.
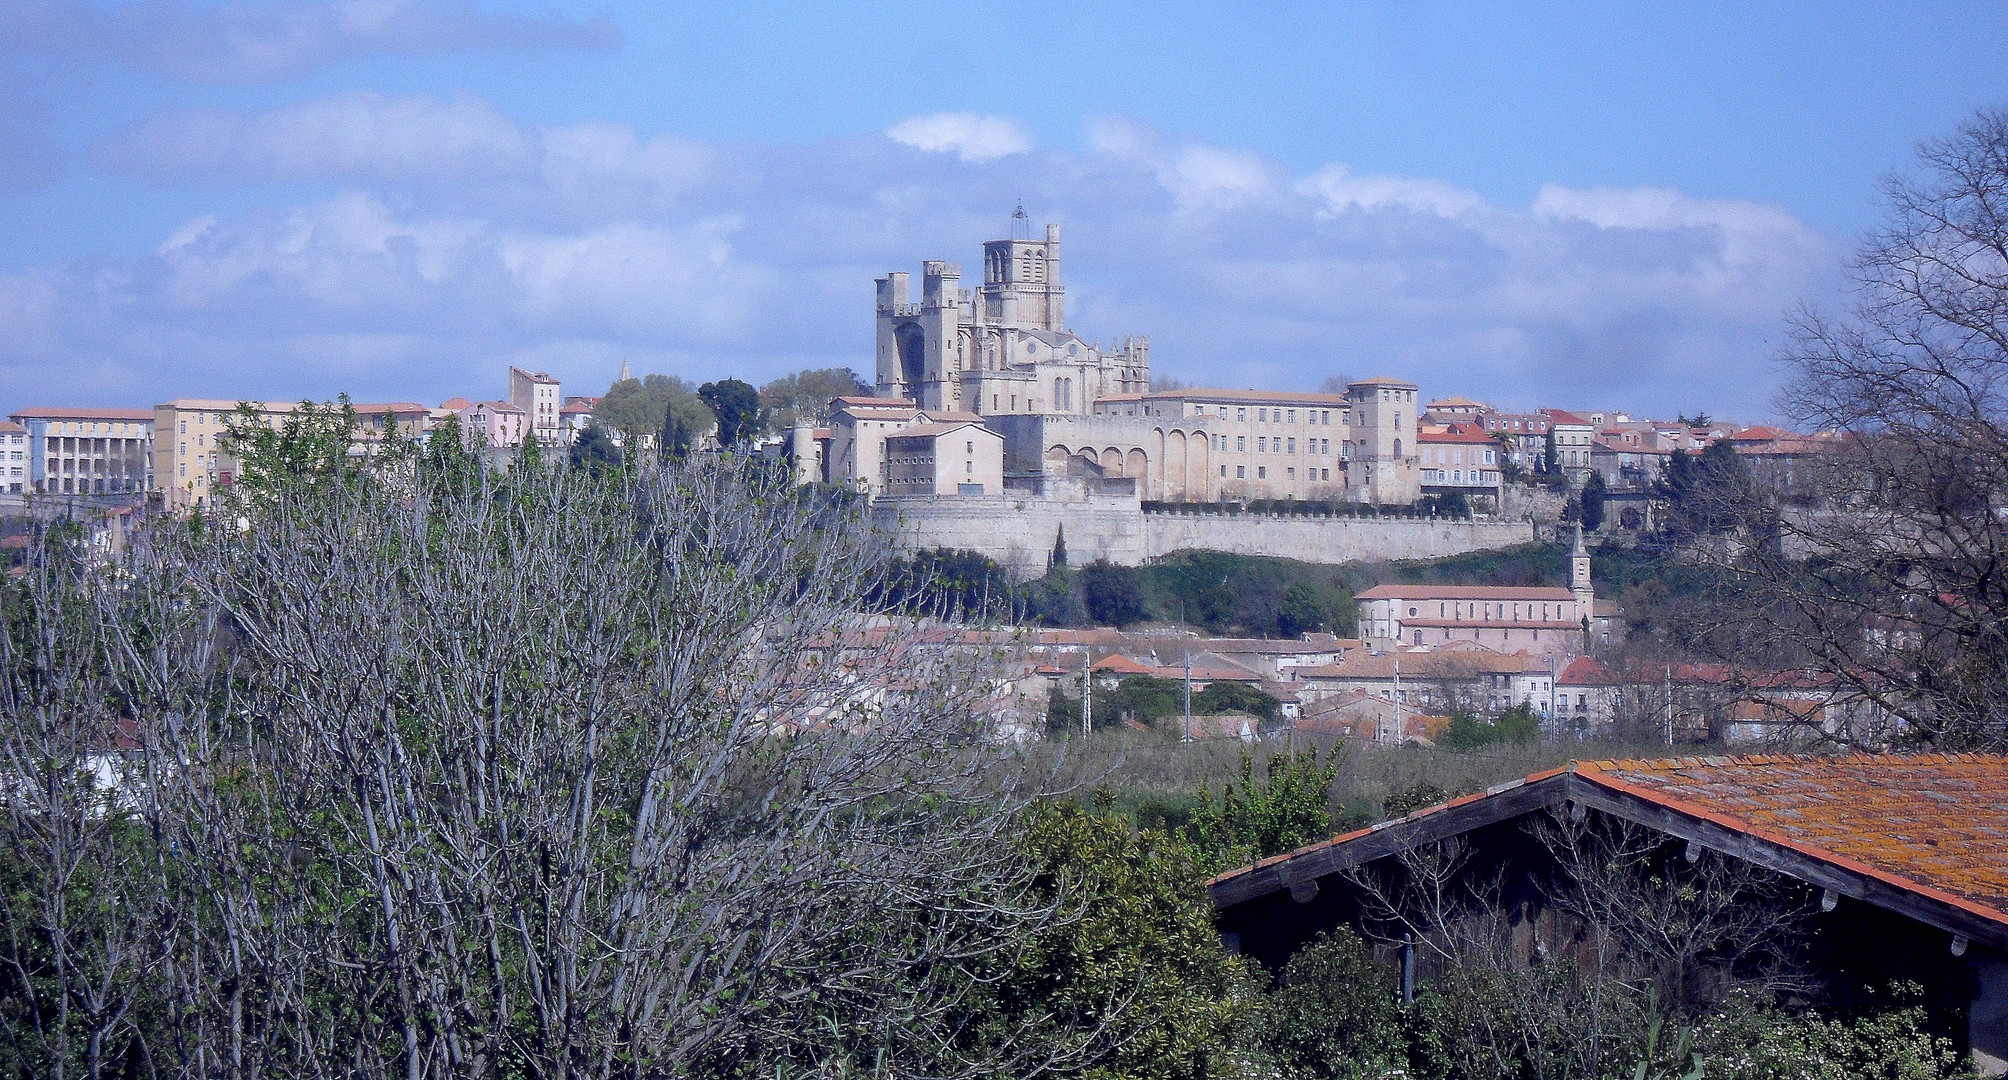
x: 85, y: 451
x: 13, y: 458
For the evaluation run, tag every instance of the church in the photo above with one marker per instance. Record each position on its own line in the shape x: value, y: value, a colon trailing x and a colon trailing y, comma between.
x: 1003, y: 348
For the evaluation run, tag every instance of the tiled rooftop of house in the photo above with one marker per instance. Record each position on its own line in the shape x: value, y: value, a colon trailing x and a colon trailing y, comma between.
x: 1931, y: 824
x: 1937, y: 820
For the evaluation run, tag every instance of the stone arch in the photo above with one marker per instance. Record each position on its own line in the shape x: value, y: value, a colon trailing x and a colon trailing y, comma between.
x: 1112, y: 461
x: 911, y: 341
x: 1175, y: 465
x: 1137, y: 464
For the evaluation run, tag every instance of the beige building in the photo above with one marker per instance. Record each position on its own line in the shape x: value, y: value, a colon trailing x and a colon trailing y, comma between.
x: 951, y: 457
x: 859, y: 427
x: 1459, y: 457
x: 189, y: 463
x: 80, y: 451
x: 540, y: 398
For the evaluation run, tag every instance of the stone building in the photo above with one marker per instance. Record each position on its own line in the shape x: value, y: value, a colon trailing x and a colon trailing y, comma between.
x: 946, y: 457
x: 1002, y: 348
x: 1545, y: 621
x: 541, y: 399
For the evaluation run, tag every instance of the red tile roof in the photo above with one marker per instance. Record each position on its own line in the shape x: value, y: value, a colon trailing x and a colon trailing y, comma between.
x: 1931, y: 825
x: 1508, y: 593
x: 1936, y: 823
x: 64, y: 412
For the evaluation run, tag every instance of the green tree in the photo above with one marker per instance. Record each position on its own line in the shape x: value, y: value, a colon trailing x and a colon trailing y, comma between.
x: 1551, y: 453
x: 1227, y: 697
x: 1335, y: 1013
x: 804, y: 397
x: 1519, y: 724
x: 1591, y: 502
x: 1303, y: 610
x: 1059, y: 555
x: 596, y: 451
x: 1251, y: 818
x: 1113, y: 594
x: 636, y: 408
x: 737, y: 407
x: 308, y: 449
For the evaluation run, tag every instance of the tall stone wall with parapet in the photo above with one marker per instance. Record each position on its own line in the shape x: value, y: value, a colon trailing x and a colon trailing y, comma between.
x: 1326, y: 539
x: 1017, y: 529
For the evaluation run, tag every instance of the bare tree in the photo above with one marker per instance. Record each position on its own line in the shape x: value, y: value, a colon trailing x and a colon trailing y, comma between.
x: 552, y: 775
x: 1895, y: 584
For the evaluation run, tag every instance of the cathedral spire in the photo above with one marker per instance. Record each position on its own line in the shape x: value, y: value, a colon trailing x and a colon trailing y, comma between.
x: 625, y: 376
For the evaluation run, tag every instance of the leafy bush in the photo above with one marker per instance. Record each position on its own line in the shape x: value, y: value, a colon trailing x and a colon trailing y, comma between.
x: 1335, y: 1013
x: 1251, y: 819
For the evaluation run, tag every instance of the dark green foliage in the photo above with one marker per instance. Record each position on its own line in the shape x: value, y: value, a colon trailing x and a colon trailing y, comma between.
x: 1591, y: 502
x: 1706, y: 494
x: 1412, y: 798
x: 1336, y: 1013
x: 1059, y: 556
x: 1146, y: 699
x: 1304, y: 609
x: 1254, y: 818
x: 946, y: 582
x: 1519, y: 724
x: 1233, y: 697
x: 1053, y: 600
x: 736, y: 405
x: 1146, y: 939
x: 1450, y: 504
x: 1248, y: 594
x: 595, y: 451
x: 1113, y: 594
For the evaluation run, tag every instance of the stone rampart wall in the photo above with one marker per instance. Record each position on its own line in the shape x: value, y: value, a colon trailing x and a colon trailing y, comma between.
x: 1018, y: 531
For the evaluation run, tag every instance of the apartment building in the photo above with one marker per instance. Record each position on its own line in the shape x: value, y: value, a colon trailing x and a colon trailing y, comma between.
x: 542, y: 401
x: 1274, y: 444
x: 13, y: 458
x: 83, y: 451
x: 1573, y: 438
x: 949, y: 456
x: 190, y: 465
x: 1459, y: 457
x: 1526, y: 436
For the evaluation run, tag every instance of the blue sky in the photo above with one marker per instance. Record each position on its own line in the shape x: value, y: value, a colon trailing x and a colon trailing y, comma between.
x: 1578, y: 205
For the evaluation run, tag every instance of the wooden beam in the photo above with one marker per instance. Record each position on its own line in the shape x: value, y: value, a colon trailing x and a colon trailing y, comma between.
x: 1398, y: 836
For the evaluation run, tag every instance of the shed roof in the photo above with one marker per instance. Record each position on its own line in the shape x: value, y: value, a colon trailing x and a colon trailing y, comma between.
x: 1925, y: 835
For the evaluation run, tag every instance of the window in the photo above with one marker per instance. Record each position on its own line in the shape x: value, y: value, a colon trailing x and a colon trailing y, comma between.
x: 1261, y: 416
x: 1241, y: 415
x: 1327, y: 472
x: 1262, y: 445
x: 1223, y: 471
x: 1261, y: 472
x: 969, y: 447
x: 1291, y: 473
x: 1240, y: 472
x: 1293, y: 446
x: 1291, y: 416
x: 1241, y: 443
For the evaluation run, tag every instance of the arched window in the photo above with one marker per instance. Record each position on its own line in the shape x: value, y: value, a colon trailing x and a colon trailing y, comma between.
x: 1397, y: 448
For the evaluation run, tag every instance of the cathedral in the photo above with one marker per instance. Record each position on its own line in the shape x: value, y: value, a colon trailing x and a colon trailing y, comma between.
x: 1003, y: 348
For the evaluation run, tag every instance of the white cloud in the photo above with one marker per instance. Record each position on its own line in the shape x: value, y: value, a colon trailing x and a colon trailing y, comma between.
x: 1342, y: 191
x: 243, y: 42
x: 461, y: 240
x: 966, y: 134
x: 347, y: 136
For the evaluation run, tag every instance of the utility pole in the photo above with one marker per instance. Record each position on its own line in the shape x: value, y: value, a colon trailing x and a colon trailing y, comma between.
x: 1185, y: 644
x: 1087, y: 690
x: 1380, y: 730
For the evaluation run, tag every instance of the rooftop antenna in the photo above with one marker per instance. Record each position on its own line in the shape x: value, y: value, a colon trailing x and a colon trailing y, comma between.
x: 1021, y: 224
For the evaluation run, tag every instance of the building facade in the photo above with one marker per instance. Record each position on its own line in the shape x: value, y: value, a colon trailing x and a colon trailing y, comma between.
x: 1459, y: 457
x: 1544, y: 621
x: 954, y: 457
x: 71, y: 451
x: 540, y: 398
x: 13, y: 458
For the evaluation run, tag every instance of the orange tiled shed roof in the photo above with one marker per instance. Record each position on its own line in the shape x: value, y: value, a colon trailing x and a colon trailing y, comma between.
x: 1937, y: 821
x: 1933, y: 827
